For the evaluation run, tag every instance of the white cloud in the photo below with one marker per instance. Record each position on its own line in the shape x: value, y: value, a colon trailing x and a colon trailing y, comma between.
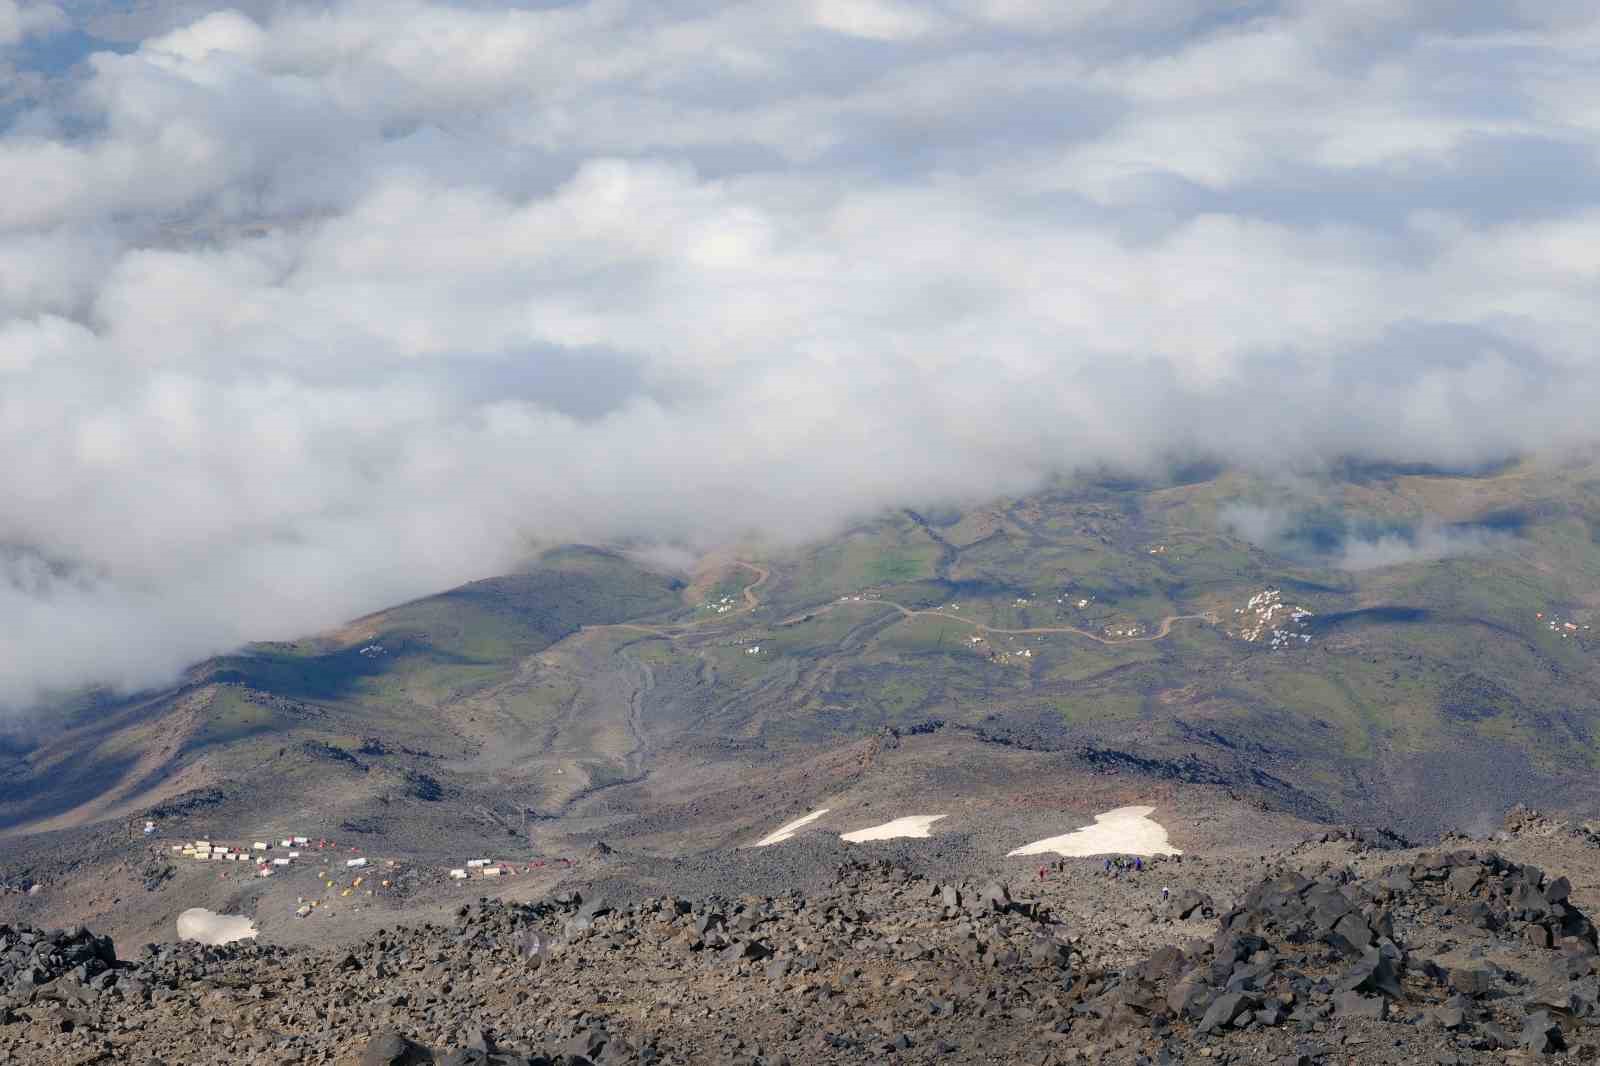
x: 882, y: 20
x: 20, y: 19
x: 220, y: 33
x: 308, y: 308
x: 1326, y: 537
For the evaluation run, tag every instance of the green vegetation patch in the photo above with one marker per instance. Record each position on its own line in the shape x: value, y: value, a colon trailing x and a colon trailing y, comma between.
x: 894, y: 552
x: 233, y: 716
x: 926, y: 636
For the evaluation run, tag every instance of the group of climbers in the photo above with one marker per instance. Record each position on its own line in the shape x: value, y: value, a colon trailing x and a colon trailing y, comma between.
x: 1114, y: 866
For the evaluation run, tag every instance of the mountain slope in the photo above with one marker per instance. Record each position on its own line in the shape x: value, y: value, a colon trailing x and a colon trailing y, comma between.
x: 1403, y: 647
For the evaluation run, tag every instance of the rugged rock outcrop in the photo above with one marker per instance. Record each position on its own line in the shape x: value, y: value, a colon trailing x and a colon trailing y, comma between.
x: 1459, y: 956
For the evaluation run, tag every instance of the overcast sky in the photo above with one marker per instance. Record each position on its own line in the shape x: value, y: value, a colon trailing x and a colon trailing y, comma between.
x: 309, y: 308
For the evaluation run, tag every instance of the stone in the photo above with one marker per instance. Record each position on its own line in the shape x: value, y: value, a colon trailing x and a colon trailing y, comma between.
x: 995, y: 897
x: 586, y: 1044
x: 1352, y: 1004
x: 1472, y: 981
x: 464, y: 1057
x: 1351, y: 934
x: 1190, y: 997
x: 594, y: 907
x: 1048, y: 953
x: 389, y: 1048
x: 1372, y: 973
x: 1191, y: 901
x: 1541, y: 1033
x: 1225, y: 1009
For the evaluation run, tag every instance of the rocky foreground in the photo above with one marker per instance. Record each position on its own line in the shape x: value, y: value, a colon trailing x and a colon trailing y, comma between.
x: 1452, y: 956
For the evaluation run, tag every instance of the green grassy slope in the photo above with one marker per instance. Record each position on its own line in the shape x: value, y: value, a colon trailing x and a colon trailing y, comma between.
x: 280, y: 711
x: 1462, y: 649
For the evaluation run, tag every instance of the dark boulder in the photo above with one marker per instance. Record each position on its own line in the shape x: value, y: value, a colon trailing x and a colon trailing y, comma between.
x: 1226, y: 1009
x: 389, y: 1048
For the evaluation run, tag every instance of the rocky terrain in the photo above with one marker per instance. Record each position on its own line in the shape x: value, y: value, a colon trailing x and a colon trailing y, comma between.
x: 1346, y: 948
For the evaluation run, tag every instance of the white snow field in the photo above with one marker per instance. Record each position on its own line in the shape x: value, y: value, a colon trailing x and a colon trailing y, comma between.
x: 1124, y: 831
x: 779, y: 835
x: 212, y: 928
x: 912, y: 825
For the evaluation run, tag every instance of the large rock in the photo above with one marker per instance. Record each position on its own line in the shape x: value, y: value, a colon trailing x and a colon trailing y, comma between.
x: 389, y: 1048
x: 1541, y: 1033
x: 1225, y: 1009
x: 995, y: 897
x: 1471, y: 981
x: 1352, y: 935
x: 1372, y: 973
x: 1353, y: 1004
x: 1190, y: 997
x: 1191, y: 901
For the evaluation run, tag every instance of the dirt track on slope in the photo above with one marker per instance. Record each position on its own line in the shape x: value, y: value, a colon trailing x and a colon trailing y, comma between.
x: 1161, y: 632
x: 752, y: 601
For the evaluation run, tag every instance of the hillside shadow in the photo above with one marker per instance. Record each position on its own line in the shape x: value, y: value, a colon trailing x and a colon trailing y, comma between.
x: 1365, y: 471
x: 329, y: 676
x: 1371, y: 616
x: 76, y: 780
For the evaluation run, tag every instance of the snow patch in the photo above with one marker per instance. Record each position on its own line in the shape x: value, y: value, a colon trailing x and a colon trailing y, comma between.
x: 1124, y: 831
x: 778, y: 836
x: 214, y: 929
x: 913, y: 825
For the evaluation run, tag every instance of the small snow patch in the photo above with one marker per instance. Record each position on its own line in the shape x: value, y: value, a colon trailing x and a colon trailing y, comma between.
x: 914, y: 825
x: 209, y: 927
x: 778, y: 836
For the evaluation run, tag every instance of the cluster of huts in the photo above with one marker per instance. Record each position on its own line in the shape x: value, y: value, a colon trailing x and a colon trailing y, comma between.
x: 482, y: 868
x: 266, y: 855
x: 259, y: 852
x: 1565, y: 629
x: 1266, y: 615
x: 491, y: 868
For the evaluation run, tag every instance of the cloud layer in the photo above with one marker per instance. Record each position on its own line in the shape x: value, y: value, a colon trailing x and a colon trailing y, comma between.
x: 1326, y: 537
x: 308, y: 308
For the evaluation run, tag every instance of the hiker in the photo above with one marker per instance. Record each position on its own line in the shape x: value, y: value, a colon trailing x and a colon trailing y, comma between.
x: 1108, y: 867
x: 1165, y: 893
x: 1138, y: 863
x: 1041, y: 873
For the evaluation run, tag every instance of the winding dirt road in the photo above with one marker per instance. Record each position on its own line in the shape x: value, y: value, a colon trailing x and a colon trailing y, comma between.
x: 752, y: 600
